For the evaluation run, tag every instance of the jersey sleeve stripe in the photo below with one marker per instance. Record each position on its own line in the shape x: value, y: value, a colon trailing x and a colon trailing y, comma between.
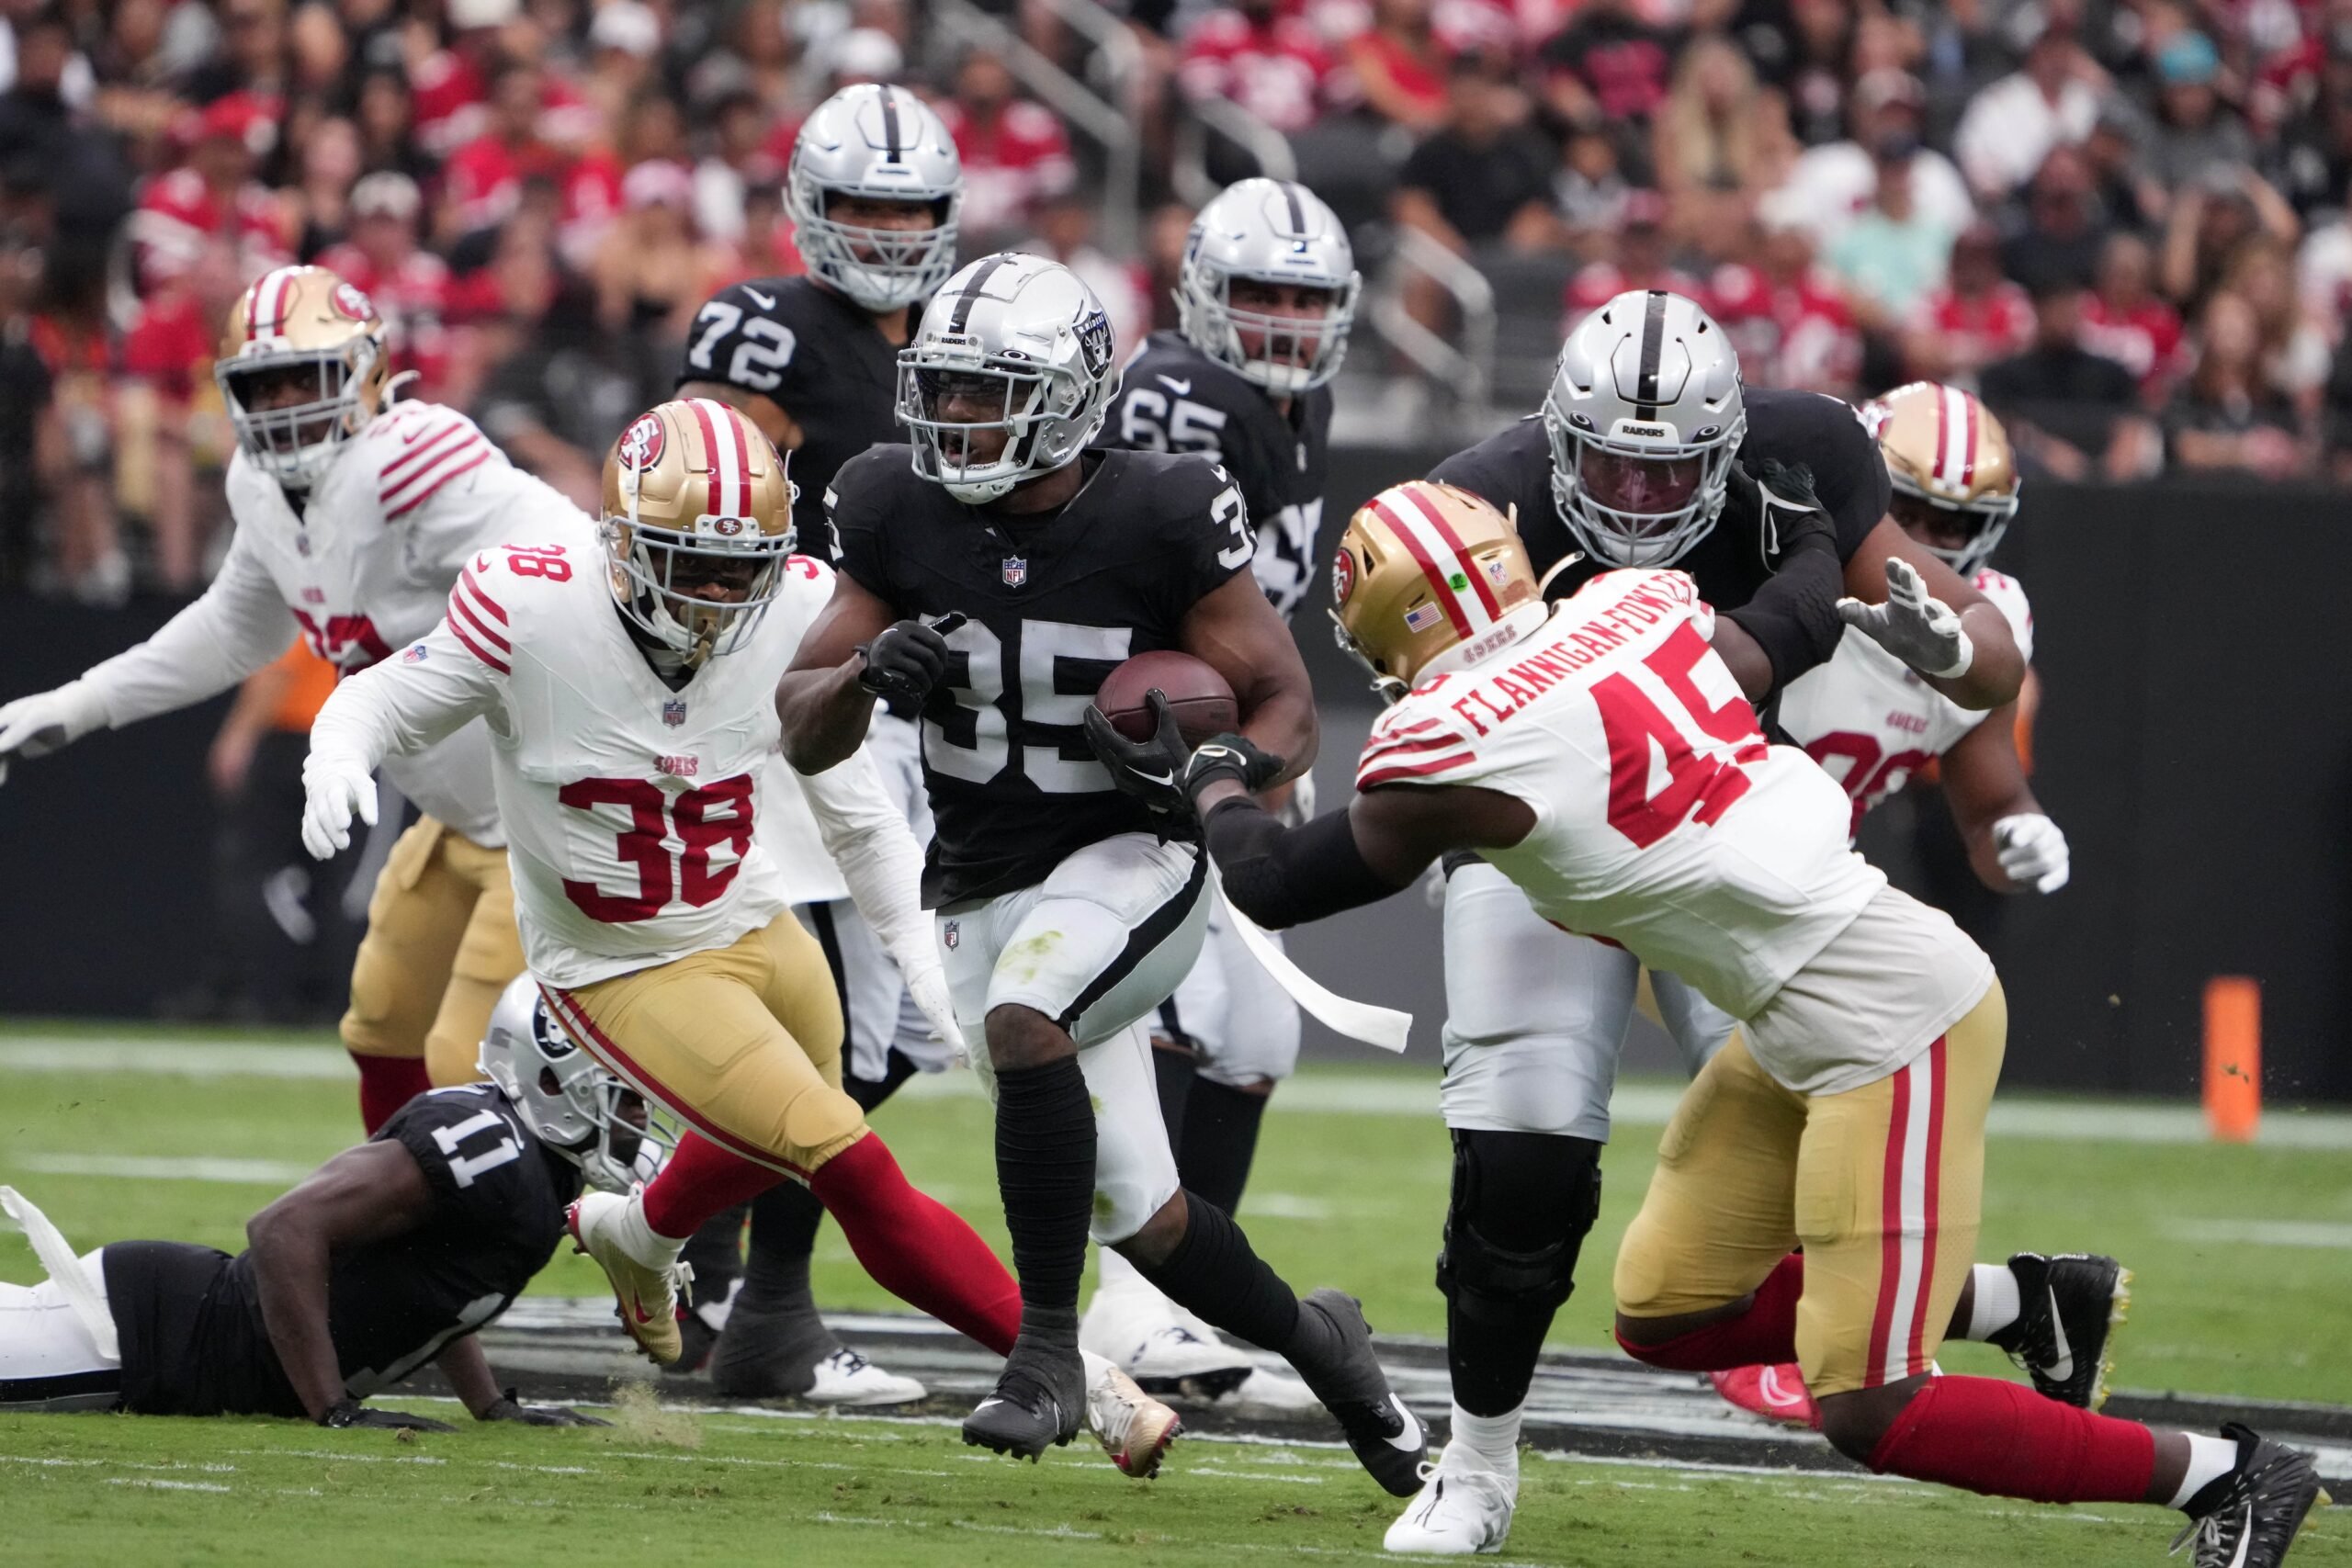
x: 461, y: 609
x: 442, y: 476
x: 414, y: 454
x: 466, y: 576
x: 1418, y: 746
x: 458, y: 631
x: 1391, y: 772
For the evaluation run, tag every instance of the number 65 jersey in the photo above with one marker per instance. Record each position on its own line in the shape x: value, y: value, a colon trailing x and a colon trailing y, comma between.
x: 1665, y: 823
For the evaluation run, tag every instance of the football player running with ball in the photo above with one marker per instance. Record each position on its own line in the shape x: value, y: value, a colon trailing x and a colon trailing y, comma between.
x: 628, y: 676
x: 995, y: 573
x: 353, y: 513
x: 1648, y: 452
x: 1599, y: 753
x: 874, y: 190
x: 1266, y: 294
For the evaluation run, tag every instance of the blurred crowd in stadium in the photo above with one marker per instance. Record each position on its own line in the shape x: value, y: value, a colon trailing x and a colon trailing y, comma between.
x: 2122, y: 219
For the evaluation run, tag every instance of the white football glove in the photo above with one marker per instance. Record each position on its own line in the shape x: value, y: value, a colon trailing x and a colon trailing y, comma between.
x: 1922, y: 631
x: 2032, y: 851
x: 334, y: 789
x: 47, y: 721
x: 928, y: 988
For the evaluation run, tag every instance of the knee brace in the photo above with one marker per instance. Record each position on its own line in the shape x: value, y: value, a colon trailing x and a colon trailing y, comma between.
x: 1522, y: 1205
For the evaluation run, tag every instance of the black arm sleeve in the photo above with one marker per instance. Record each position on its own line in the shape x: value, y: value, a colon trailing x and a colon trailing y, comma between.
x: 1285, y: 876
x: 1793, y: 616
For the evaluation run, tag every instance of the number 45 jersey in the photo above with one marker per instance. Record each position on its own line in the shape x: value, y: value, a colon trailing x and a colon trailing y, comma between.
x: 1054, y: 605
x: 1665, y: 823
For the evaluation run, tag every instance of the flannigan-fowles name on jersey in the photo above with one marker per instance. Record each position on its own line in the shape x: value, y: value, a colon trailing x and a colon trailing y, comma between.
x: 1497, y: 696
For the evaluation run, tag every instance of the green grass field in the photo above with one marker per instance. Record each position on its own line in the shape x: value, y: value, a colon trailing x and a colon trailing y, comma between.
x: 2242, y: 1256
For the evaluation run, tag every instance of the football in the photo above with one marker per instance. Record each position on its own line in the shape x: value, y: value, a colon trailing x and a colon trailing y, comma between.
x: 1203, y: 703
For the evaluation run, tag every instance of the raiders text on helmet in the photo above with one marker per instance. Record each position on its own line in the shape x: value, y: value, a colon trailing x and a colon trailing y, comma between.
x: 882, y: 144
x: 1645, y: 415
x: 695, y: 496
x: 1430, y: 578
x: 304, y: 334
x: 1951, y: 466
x: 1022, y: 341
x: 1268, y: 232
x: 575, y: 1107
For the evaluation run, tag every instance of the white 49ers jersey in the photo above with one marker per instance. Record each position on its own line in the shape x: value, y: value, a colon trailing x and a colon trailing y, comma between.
x: 630, y: 807
x: 1872, y: 722
x: 361, y: 569
x: 1665, y: 823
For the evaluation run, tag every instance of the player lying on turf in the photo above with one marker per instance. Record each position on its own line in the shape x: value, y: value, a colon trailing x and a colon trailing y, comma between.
x: 1600, y: 754
x: 628, y: 676
x: 388, y: 1256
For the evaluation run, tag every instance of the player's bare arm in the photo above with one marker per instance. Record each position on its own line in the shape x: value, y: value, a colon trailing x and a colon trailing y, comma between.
x: 1236, y: 629
x: 773, y: 421
x: 2013, y: 846
x: 363, y: 1195
x: 824, y: 702
x: 1992, y: 668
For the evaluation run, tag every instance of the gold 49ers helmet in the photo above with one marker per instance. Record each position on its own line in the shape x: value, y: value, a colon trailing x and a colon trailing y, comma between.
x: 302, y: 368
x: 1429, y: 577
x: 1955, y: 473
x: 697, y: 523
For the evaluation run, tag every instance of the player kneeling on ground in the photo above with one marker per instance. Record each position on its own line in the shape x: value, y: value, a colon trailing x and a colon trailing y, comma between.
x: 1600, y: 753
x: 628, y: 677
x: 388, y: 1256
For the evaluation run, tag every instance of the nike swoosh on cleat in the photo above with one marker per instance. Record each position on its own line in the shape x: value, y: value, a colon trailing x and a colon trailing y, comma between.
x: 1767, y: 1384
x: 1413, y: 1440
x: 766, y: 301
x: 985, y: 1403
x: 2063, y: 1367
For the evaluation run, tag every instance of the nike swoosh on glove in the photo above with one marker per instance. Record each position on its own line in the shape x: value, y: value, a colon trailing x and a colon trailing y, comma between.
x: 1791, y: 512
x: 906, y: 661
x: 1229, y: 756
x: 48, y: 721
x: 333, y: 790
x: 1152, y: 771
x: 2032, y: 851
x: 1919, y: 629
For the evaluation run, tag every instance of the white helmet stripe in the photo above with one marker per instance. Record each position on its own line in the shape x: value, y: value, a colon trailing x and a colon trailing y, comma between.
x: 1953, y: 428
x: 268, y: 307
x: 1432, y: 546
x: 730, y: 477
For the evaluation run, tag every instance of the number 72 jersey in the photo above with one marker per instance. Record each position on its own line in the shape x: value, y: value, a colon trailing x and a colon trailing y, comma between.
x: 1664, y: 820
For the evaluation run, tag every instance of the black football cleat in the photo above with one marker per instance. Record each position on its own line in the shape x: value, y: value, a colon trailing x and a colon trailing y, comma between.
x: 2070, y: 1305
x: 696, y: 1337
x: 2249, y: 1517
x: 1038, y: 1403
x: 1388, y: 1440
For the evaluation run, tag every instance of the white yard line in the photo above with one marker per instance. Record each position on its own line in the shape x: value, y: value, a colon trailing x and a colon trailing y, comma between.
x: 2266, y: 1232
x: 151, y: 1168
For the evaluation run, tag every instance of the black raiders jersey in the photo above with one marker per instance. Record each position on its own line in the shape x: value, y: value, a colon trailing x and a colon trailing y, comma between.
x: 1173, y: 397
x: 1054, y: 604
x: 189, y: 1317
x: 1734, y: 557
x: 818, y: 356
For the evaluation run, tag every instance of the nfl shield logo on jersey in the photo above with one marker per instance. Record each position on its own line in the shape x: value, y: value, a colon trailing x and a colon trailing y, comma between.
x: 954, y: 935
x: 674, y: 712
x: 1016, y: 571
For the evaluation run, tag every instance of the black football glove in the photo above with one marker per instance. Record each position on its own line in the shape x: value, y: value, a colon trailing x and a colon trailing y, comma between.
x: 906, y: 661
x: 1152, y: 771
x: 1229, y: 756
x: 507, y: 1407
x: 1791, y: 515
x: 351, y: 1413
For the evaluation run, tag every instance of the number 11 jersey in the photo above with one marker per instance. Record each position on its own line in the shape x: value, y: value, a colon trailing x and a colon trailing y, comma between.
x: 1054, y: 605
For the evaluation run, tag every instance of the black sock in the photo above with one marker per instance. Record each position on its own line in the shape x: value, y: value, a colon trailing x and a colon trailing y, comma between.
x: 1213, y: 1272
x: 1176, y: 1067
x: 1219, y: 1139
x: 1492, y: 1362
x: 775, y: 1337
x: 1044, y: 1170
x: 716, y: 1251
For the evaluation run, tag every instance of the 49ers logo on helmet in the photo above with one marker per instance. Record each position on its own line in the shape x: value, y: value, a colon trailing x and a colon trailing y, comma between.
x: 641, y: 443
x: 349, y: 301
x: 1343, y: 576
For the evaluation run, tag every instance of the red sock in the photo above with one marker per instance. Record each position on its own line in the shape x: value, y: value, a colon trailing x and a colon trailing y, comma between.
x: 915, y: 1246
x: 699, y: 1181
x: 386, y: 1083
x: 2003, y: 1440
x: 1763, y: 1336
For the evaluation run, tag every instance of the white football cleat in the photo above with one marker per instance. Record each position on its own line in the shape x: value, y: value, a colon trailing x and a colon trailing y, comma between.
x: 1267, y: 1389
x: 848, y: 1378
x: 1462, y: 1507
x: 1142, y: 1331
x: 1134, y: 1429
x: 648, y: 1296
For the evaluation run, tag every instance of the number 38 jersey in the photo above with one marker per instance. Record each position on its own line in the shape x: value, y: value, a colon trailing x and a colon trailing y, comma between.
x: 1870, y: 720
x: 1054, y: 605
x: 629, y: 806
x: 1665, y: 823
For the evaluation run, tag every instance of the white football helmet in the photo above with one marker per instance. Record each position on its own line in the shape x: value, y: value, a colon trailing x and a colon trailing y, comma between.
x: 882, y: 142
x: 577, y: 1109
x: 1645, y: 415
x: 1268, y: 232
x: 1024, y: 336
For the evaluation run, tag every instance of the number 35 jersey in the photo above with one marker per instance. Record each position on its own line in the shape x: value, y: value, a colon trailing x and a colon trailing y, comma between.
x: 1054, y: 605
x: 1664, y: 821
x: 1872, y: 722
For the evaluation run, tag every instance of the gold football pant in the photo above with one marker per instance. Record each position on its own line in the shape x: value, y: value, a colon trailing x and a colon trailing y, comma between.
x: 1881, y: 1185
x: 742, y: 1042
x: 441, y: 946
